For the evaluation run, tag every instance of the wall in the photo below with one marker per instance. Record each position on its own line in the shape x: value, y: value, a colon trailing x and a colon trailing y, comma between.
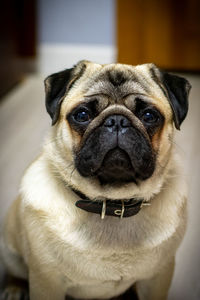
x: 71, y: 30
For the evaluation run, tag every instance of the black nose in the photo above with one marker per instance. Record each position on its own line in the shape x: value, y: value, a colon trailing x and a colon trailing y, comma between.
x: 117, y: 123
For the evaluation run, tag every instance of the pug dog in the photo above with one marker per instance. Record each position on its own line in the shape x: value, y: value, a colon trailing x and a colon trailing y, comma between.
x: 103, y: 208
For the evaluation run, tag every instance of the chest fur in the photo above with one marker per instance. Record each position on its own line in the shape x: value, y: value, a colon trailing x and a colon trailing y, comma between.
x: 97, y: 252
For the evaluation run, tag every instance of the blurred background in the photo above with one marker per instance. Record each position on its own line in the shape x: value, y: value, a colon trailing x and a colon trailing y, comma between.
x: 48, y: 35
x: 39, y: 37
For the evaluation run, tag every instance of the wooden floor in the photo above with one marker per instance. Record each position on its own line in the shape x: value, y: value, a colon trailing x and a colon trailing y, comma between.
x: 23, y: 123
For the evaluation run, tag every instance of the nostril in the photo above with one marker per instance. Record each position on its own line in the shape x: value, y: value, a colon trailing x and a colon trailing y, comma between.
x: 124, y: 122
x: 109, y: 122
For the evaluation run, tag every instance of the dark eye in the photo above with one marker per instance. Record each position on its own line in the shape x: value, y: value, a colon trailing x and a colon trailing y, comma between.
x: 150, y: 117
x: 82, y: 116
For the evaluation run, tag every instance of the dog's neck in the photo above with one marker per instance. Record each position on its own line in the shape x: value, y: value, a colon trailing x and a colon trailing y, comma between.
x: 116, y: 208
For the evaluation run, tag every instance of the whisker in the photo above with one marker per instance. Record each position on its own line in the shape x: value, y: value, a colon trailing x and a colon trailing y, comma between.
x: 72, y: 172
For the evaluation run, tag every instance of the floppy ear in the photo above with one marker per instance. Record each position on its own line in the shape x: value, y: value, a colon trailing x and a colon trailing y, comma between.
x: 56, y: 87
x: 176, y: 89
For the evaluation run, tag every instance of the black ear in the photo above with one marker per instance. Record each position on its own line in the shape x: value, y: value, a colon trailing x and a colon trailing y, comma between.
x: 177, y: 89
x: 57, y: 85
x: 55, y: 88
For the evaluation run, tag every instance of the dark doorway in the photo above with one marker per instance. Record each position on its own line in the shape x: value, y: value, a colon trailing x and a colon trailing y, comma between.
x: 17, y: 40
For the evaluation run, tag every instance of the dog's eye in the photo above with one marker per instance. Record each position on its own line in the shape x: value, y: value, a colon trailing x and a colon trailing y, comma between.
x: 82, y: 116
x: 150, y: 117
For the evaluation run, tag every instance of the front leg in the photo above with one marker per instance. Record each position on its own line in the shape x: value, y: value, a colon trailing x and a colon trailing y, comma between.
x: 45, y: 287
x: 157, y: 287
x: 14, y: 289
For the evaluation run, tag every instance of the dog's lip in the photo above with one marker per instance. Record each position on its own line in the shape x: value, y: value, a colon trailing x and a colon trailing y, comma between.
x: 121, y: 158
x: 116, y: 167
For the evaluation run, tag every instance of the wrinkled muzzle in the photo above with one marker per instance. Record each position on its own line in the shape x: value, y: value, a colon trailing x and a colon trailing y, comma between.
x: 116, y: 151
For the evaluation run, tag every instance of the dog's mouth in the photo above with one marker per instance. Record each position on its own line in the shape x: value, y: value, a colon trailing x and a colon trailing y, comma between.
x: 116, y: 168
x: 116, y: 154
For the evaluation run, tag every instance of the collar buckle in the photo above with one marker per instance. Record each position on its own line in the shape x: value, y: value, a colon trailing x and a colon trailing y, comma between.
x: 117, y: 212
x: 120, y: 212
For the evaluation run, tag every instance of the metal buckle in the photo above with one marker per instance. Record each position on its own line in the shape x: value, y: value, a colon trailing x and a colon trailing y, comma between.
x: 145, y: 204
x: 120, y: 212
x: 103, y: 211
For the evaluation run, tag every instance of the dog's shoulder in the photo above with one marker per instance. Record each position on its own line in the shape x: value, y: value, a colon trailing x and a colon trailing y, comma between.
x: 45, y: 197
x: 39, y: 185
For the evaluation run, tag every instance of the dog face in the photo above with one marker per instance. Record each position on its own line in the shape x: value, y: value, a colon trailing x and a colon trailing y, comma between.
x: 114, y: 123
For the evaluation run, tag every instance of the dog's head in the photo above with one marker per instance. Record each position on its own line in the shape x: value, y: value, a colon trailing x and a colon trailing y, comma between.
x: 114, y: 123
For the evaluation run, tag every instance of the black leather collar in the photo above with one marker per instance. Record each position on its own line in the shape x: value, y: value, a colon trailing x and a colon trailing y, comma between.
x: 115, y: 208
x: 107, y: 207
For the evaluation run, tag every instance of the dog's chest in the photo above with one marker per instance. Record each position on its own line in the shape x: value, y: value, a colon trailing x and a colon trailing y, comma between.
x: 113, y: 266
x: 99, y: 258
x: 99, y: 252
x: 95, y: 273
x: 100, y: 275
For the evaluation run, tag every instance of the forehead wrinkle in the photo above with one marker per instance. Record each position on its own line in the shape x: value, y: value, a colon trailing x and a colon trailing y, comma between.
x: 132, y: 87
x: 142, y: 81
x: 116, y: 93
x: 129, y: 73
x: 154, y: 88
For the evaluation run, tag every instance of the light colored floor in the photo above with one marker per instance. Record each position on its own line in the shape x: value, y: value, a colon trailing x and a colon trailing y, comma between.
x: 23, y: 123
